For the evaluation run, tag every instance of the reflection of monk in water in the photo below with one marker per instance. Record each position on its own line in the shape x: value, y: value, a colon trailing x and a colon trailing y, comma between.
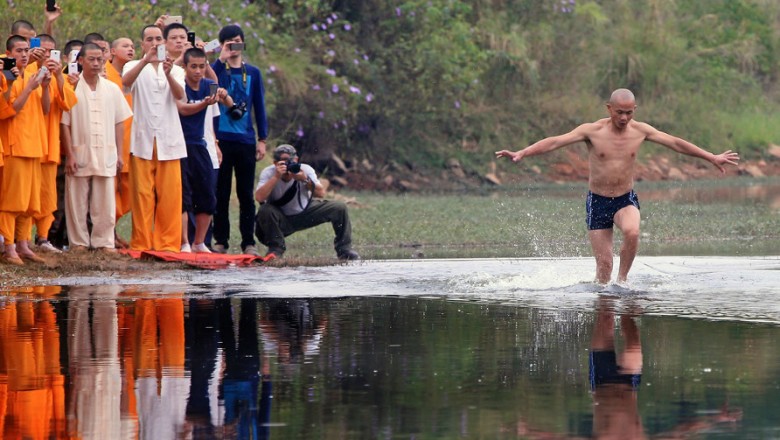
x: 615, y: 382
x: 615, y: 378
x: 32, y: 395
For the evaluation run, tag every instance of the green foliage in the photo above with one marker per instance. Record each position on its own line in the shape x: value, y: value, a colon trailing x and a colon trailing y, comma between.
x: 419, y: 81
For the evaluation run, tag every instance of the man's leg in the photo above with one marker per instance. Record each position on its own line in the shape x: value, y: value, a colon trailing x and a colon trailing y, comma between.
x: 45, y: 218
x: 122, y: 188
x: 627, y: 221
x: 335, y: 213
x: 167, y: 210
x: 631, y: 359
x: 601, y: 243
x: 142, y: 202
x: 272, y: 227
x: 603, y: 338
x: 245, y: 191
x: 221, y: 230
x: 76, y: 209
x: 103, y: 212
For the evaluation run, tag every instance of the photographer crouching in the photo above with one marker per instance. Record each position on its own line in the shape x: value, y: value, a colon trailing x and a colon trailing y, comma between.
x: 286, y: 190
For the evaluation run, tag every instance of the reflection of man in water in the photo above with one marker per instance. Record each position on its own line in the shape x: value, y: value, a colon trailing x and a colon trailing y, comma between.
x: 94, y: 365
x: 32, y: 390
x: 238, y: 392
x: 613, y: 144
x: 614, y: 378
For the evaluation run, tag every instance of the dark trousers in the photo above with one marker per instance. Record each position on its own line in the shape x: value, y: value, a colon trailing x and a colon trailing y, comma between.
x: 273, y: 225
x: 241, y: 158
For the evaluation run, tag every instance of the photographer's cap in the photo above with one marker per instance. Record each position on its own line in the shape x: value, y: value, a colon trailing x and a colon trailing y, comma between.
x: 284, y: 149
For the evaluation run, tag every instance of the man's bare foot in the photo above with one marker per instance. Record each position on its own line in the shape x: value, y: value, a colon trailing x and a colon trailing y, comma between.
x: 10, y: 255
x: 31, y: 256
x: 25, y: 253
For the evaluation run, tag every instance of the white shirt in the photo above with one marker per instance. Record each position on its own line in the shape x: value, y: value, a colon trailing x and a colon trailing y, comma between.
x: 301, y: 200
x: 212, y: 112
x: 92, y: 123
x: 155, y: 113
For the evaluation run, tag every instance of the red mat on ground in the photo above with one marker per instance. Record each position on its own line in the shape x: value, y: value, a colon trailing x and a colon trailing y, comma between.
x: 203, y: 261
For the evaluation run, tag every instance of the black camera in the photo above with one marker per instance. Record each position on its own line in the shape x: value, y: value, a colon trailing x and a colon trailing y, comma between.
x: 293, y: 167
x: 237, y: 111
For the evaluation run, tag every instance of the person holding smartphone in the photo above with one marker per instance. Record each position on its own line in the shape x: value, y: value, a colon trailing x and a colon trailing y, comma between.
x: 241, y: 145
x: 63, y: 98
x: 20, y: 187
x: 198, y: 178
x: 156, y: 145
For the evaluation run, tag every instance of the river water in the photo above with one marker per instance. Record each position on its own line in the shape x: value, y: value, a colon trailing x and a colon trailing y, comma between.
x: 483, y: 348
x: 498, y: 348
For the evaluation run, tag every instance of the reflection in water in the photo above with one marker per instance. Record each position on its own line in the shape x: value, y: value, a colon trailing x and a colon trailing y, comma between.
x: 614, y: 377
x: 127, y: 369
x: 110, y: 363
x: 32, y: 393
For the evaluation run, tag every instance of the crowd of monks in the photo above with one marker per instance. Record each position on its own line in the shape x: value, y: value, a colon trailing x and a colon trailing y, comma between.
x: 37, y: 87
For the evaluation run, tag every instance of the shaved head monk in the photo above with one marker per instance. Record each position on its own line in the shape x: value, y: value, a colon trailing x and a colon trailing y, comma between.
x: 613, y: 144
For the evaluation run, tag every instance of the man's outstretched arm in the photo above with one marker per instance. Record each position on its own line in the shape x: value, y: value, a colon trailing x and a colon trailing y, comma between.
x: 547, y: 145
x: 682, y: 146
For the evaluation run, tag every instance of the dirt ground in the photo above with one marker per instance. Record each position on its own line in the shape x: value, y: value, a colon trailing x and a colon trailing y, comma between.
x: 115, y: 267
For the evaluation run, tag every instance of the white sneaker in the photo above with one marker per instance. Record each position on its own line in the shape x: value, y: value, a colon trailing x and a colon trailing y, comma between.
x: 186, y: 249
x: 46, y: 246
x: 200, y: 248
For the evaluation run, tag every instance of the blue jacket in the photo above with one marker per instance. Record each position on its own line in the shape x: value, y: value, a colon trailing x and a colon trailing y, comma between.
x: 244, y: 85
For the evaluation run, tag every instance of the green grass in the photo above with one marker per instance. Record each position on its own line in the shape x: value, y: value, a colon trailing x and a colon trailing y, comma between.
x: 678, y: 218
x: 752, y: 130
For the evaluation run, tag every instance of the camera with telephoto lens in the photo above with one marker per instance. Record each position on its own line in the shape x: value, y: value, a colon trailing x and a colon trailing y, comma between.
x: 293, y: 167
x: 237, y: 111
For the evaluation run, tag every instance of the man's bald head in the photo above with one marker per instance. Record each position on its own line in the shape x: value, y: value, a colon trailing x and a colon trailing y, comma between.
x: 23, y: 28
x: 622, y: 96
x: 120, y: 40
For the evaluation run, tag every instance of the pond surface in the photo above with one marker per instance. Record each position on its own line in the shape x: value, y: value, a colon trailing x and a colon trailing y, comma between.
x: 416, y: 349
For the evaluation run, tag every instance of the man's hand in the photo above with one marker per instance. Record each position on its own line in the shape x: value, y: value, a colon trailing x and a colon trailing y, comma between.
x: 35, y: 80
x: 211, y: 99
x: 281, y: 168
x: 167, y: 65
x: 260, y: 151
x: 73, y: 78
x: 70, y: 165
x: 46, y: 78
x: 150, y: 55
x: 119, y: 164
x: 52, y: 16
x: 515, y: 156
x: 37, y: 54
x: 160, y: 22
x: 55, y: 67
x: 727, y: 157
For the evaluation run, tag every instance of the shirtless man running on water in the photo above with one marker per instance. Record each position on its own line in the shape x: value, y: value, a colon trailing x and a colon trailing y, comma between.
x: 613, y: 144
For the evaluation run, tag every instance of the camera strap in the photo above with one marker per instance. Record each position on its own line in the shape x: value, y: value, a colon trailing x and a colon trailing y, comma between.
x: 287, y: 196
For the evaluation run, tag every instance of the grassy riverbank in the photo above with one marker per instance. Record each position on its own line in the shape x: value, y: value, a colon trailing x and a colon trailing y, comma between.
x: 722, y: 217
